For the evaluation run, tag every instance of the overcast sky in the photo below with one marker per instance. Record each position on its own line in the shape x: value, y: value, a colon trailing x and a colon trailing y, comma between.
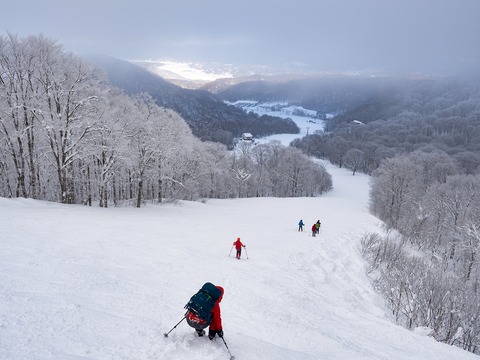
x: 434, y: 36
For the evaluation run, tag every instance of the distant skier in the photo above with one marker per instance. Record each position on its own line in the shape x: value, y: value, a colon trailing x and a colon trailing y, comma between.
x: 317, y: 226
x: 314, y: 229
x: 238, y: 245
x: 300, y: 225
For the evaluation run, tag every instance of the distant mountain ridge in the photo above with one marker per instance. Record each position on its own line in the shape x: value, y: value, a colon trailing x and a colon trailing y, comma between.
x: 209, y: 117
x: 323, y: 92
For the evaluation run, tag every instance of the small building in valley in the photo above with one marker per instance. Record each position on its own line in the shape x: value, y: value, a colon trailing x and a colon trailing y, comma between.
x: 247, y: 137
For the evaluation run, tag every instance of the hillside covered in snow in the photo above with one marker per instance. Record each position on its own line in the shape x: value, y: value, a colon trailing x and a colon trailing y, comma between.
x: 92, y: 283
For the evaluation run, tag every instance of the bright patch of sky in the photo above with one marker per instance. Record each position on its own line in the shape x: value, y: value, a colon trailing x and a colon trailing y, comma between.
x: 188, y: 71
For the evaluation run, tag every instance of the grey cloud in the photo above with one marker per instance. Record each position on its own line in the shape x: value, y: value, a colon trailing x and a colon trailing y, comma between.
x: 325, y: 35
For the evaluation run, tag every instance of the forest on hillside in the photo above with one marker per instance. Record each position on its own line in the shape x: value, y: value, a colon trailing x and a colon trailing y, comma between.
x: 439, y: 115
x: 67, y: 135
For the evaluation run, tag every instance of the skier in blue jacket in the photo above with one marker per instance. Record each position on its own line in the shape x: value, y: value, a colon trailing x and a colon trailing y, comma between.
x: 300, y: 225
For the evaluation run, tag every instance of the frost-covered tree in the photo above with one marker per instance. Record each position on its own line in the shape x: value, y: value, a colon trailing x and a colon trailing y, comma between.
x: 216, y: 182
x: 261, y: 155
x: 107, y: 145
x: 144, y: 141
x: 46, y: 112
x: 68, y: 89
x: 439, y: 216
x: 338, y: 148
x: 353, y: 159
x: 19, y: 65
x: 394, y: 190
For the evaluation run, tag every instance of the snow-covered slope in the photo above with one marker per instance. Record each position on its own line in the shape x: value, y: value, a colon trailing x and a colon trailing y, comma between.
x: 91, y: 283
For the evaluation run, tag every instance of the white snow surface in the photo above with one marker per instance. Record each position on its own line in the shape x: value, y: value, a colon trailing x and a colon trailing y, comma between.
x: 81, y: 282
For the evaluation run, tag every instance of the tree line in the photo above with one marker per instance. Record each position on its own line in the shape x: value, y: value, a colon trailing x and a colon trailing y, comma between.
x: 428, y: 267
x: 66, y: 135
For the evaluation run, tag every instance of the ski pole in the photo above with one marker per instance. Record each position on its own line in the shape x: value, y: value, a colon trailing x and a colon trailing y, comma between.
x: 166, y: 334
x: 246, y: 252
x: 231, y: 356
x: 230, y: 251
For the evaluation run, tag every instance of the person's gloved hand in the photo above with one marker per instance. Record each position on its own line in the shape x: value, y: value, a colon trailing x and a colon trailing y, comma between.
x: 220, y: 334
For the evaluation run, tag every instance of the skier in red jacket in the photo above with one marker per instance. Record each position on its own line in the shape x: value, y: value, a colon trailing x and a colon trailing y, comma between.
x: 216, y: 324
x: 238, y: 245
x: 214, y: 321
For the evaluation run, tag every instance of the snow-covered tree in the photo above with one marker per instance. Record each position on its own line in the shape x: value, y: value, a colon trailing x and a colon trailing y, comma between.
x: 394, y: 190
x: 352, y: 159
x: 19, y: 65
x: 107, y: 145
x: 68, y: 89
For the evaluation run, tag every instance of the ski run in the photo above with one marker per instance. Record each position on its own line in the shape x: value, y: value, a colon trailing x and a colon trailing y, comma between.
x: 84, y: 283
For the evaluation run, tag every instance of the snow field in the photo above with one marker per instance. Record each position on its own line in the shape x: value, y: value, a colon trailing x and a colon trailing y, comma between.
x: 91, y: 283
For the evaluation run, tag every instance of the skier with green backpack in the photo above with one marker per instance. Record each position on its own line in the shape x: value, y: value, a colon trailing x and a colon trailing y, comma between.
x: 203, y: 310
